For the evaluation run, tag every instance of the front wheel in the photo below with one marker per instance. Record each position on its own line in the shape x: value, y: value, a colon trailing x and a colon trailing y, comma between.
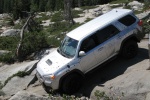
x: 130, y: 49
x: 72, y: 83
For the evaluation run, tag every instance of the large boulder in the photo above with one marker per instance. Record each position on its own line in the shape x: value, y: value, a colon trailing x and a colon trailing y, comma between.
x: 17, y: 84
x: 22, y: 95
x: 132, y: 81
x: 7, y: 71
x: 133, y: 86
x: 10, y: 32
x: 135, y: 5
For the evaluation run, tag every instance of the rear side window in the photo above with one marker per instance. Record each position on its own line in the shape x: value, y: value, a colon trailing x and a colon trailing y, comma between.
x: 106, y: 33
x: 98, y: 37
x: 127, y: 20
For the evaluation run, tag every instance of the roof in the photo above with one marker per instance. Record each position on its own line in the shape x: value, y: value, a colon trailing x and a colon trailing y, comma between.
x: 97, y: 23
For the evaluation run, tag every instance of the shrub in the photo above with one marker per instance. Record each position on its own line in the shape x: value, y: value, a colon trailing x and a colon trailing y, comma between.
x: 146, y: 27
x: 9, y: 43
x: 88, y: 7
x: 43, y: 17
x: 33, y: 42
x: 8, y: 22
x: 100, y: 95
x: 75, y: 13
x: 58, y: 16
x: 8, y: 58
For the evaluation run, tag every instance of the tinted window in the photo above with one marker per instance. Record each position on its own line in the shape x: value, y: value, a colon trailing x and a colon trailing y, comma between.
x: 87, y: 44
x: 127, y: 20
x: 106, y: 33
x: 98, y: 37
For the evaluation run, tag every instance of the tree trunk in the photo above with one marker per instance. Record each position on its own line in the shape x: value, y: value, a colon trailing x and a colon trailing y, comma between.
x: 19, y: 47
x: 79, y: 3
x: 67, y: 11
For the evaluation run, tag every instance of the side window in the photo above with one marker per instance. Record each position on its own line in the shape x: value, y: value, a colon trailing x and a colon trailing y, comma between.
x: 88, y: 44
x: 106, y: 33
x: 127, y: 20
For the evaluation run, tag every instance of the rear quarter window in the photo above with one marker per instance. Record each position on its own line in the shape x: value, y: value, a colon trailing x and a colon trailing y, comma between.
x: 127, y: 20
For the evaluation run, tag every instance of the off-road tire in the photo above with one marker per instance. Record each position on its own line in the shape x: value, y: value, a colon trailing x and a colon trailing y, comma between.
x: 130, y: 49
x: 47, y: 88
x: 72, y: 83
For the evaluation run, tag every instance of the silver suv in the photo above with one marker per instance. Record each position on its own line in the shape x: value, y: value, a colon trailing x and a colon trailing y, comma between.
x: 86, y: 47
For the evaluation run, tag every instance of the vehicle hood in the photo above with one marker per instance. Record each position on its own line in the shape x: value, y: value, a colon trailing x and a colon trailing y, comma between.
x: 51, y: 63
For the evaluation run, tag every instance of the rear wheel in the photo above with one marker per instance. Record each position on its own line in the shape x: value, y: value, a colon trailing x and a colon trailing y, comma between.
x: 130, y: 49
x: 72, y: 83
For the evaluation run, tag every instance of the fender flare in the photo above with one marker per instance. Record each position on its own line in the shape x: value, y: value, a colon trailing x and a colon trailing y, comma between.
x: 75, y: 71
x: 131, y: 37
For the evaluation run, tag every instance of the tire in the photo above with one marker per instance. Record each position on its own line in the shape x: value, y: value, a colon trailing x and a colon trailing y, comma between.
x: 72, y: 83
x: 47, y: 88
x: 130, y: 49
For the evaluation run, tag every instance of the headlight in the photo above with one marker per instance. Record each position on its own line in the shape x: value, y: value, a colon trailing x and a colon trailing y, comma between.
x: 49, y: 77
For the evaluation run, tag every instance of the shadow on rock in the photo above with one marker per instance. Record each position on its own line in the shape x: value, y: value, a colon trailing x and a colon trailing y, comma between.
x: 109, y: 71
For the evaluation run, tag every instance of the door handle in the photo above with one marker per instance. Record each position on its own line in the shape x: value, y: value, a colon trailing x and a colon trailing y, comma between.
x: 100, y: 48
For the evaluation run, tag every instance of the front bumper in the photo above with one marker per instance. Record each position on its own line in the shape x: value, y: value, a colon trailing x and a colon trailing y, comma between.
x: 41, y: 80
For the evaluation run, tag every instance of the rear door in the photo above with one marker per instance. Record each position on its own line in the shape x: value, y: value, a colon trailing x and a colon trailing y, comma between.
x: 107, y: 42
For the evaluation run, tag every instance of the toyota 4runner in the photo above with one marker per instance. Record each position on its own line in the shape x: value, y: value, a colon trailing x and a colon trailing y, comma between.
x: 90, y: 45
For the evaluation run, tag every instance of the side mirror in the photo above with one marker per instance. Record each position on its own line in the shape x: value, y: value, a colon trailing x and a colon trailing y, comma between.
x: 82, y: 53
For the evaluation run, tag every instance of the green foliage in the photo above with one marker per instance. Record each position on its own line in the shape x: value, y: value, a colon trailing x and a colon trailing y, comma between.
x: 75, y: 13
x: 88, y: 7
x: 66, y: 97
x: 88, y: 19
x: 50, y: 6
x: 101, y: 95
x: 34, y: 8
x: 19, y: 74
x: 146, y: 5
x: 8, y: 22
x: 33, y: 42
x: 42, y: 18
x: 9, y: 43
x: 8, y: 58
x: 58, y: 16
x: 120, y: 1
x: 17, y: 26
x: 57, y: 31
x: 146, y: 26
x: 17, y: 6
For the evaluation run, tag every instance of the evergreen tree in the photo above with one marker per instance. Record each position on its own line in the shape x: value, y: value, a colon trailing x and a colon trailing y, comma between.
x: 1, y: 6
x: 42, y: 5
x: 34, y: 6
x: 17, y: 9
x: 50, y: 6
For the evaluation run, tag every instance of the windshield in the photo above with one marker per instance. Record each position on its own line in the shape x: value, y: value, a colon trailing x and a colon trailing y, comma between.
x: 68, y: 47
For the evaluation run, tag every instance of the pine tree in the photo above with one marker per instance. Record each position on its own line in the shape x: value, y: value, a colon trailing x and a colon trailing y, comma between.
x: 42, y: 5
x: 1, y: 6
x: 34, y: 6
x: 50, y: 6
